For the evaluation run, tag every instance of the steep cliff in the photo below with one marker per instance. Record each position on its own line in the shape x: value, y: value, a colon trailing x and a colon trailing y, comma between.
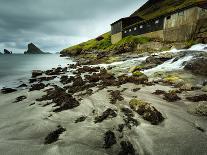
x: 32, y: 49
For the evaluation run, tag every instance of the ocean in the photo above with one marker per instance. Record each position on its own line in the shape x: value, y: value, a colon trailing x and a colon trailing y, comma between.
x: 18, y: 67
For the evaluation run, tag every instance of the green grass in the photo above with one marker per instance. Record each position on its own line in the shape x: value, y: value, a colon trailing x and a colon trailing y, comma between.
x: 130, y: 39
x: 105, y: 44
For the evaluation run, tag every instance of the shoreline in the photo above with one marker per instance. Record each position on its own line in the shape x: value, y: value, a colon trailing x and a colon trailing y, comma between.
x: 78, y: 115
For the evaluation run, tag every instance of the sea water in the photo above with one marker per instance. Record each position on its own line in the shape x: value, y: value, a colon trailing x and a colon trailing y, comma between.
x: 18, y: 67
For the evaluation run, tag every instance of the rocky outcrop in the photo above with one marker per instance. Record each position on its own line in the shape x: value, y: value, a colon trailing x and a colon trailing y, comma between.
x: 7, y: 51
x: 32, y: 49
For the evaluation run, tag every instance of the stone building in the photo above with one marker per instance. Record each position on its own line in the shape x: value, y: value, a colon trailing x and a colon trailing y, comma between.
x: 178, y: 25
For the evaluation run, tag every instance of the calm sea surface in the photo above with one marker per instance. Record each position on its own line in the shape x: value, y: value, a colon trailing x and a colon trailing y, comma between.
x: 18, y: 67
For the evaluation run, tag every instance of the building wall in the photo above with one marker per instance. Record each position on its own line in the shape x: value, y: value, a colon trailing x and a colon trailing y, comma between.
x: 182, y: 25
x: 143, y: 28
x: 156, y: 34
x: 116, y: 27
x: 116, y: 37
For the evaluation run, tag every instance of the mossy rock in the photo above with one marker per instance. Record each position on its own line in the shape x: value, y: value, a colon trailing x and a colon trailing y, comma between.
x: 137, y: 73
x: 147, y: 111
x: 135, y: 103
x: 171, y: 79
x: 135, y: 68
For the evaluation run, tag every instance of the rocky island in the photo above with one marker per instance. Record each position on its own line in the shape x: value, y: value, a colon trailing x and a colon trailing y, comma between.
x: 33, y: 49
x: 7, y: 51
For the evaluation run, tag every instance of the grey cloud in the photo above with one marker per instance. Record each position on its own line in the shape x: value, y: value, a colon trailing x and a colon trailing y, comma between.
x: 56, y: 24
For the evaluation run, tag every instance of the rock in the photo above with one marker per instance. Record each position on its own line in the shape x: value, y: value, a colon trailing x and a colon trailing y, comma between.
x: 128, y: 119
x: 22, y: 85
x: 7, y: 51
x: 20, y: 98
x: 137, y: 73
x: 65, y: 79
x: 7, y: 90
x: 109, y: 113
x: 147, y: 111
x: 171, y: 97
x: 159, y: 92
x: 120, y: 127
x: 36, y: 73
x: 99, y: 38
x: 126, y: 148
x: 204, y: 88
x: 63, y: 100
x: 109, y: 139
x: 197, y: 66
x: 32, y: 49
x: 37, y: 86
x: 56, y: 71
x: 186, y: 87
x: 80, y: 119
x: 54, y: 135
x: 85, y: 69
x: 136, y: 89
x: 115, y: 96
x: 135, y: 68
x: 78, y: 81
x: 197, y: 98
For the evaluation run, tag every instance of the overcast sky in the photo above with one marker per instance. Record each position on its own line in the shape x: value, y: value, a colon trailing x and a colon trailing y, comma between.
x: 56, y: 24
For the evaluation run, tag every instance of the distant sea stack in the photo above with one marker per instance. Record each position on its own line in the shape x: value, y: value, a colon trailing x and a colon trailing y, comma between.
x: 32, y: 49
x: 7, y: 51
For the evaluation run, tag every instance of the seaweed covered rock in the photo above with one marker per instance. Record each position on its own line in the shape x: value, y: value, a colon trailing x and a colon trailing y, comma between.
x: 36, y: 73
x: 37, y: 86
x: 126, y: 148
x: 147, y: 111
x: 128, y: 118
x: 198, y: 98
x: 171, y: 97
x: 7, y: 90
x: 115, y: 96
x: 109, y: 139
x: 109, y: 113
x: 63, y: 100
x: 80, y: 119
x: 54, y: 135
x: 20, y: 98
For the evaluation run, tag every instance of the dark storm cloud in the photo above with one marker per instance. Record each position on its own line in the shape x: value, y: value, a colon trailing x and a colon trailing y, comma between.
x: 56, y: 24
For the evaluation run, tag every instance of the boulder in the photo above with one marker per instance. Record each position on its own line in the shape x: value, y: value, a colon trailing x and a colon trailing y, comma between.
x: 109, y: 139
x: 36, y: 73
x: 171, y: 97
x: 32, y: 49
x: 197, y: 66
x: 147, y: 111
x: 54, y: 135
x: 7, y: 90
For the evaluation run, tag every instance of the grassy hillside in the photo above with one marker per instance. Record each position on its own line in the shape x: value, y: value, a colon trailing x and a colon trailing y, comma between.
x: 104, y: 44
x: 154, y: 8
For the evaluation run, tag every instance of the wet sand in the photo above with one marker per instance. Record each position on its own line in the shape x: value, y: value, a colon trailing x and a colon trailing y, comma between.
x: 24, y: 127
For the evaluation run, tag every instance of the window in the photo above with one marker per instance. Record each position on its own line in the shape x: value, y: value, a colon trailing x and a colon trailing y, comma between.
x: 181, y: 13
x: 141, y: 26
x: 168, y: 17
x: 157, y: 21
x: 130, y: 30
x: 135, y: 28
